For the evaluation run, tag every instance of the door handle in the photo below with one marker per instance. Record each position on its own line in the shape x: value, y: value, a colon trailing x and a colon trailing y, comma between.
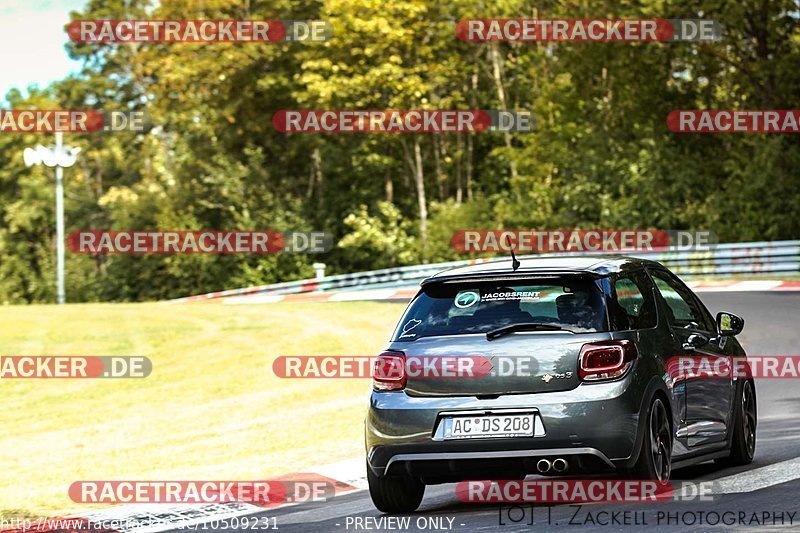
x: 695, y: 341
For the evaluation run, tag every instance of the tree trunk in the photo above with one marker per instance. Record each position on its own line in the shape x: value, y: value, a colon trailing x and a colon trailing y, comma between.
x: 388, y: 185
x: 415, y: 163
x: 316, y: 159
x: 470, y: 138
x: 438, y: 167
x: 459, y: 173
x: 497, y: 72
x: 310, y: 187
x: 423, y: 208
x: 469, y: 166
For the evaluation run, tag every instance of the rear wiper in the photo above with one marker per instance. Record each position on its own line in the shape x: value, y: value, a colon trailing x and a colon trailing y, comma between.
x: 522, y: 326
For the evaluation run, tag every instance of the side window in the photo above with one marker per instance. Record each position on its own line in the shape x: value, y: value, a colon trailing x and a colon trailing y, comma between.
x: 682, y: 309
x: 635, y: 307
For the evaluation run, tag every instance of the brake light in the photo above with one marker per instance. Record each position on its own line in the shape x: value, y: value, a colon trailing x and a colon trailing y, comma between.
x: 389, y: 371
x: 600, y: 361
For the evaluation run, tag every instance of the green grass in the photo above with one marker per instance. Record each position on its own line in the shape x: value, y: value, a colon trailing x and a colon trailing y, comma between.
x: 211, y: 409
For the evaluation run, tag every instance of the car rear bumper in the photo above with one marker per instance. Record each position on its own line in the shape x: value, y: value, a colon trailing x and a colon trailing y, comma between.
x: 444, y: 467
x: 594, y: 427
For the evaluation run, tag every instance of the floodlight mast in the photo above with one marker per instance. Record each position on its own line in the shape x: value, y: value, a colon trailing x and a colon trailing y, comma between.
x: 59, y: 157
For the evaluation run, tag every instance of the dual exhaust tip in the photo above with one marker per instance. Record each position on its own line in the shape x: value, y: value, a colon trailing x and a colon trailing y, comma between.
x: 558, y: 465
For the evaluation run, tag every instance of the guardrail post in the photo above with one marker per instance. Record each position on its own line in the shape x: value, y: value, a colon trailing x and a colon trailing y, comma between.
x: 319, y: 269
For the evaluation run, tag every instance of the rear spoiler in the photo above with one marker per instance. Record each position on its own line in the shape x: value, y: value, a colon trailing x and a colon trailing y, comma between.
x: 511, y: 276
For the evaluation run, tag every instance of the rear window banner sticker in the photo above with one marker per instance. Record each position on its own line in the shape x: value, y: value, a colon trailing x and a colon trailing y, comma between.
x: 466, y: 299
x: 511, y: 296
x: 411, y: 324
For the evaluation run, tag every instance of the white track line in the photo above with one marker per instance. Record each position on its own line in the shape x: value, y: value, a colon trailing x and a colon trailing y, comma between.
x: 368, y: 294
x: 759, y: 478
x: 351, y: 471
x: 254, y: 299
x: 154, y: 518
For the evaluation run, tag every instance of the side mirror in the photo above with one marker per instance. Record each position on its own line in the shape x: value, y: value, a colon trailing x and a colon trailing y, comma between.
x: 729, y: 325
x: 695, y: 341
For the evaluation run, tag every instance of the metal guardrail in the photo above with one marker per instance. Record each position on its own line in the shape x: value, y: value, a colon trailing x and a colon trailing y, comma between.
x: 773, y: 258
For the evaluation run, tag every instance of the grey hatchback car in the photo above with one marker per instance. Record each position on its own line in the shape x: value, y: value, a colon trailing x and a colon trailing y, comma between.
x: 597, y: 394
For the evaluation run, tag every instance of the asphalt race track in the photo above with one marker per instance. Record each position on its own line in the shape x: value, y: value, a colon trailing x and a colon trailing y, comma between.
x: 762, y: 492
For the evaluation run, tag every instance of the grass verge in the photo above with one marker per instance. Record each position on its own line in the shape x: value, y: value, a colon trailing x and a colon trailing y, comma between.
x: 211, y: 409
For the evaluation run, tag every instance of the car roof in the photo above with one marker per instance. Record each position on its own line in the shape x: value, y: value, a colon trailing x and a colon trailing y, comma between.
x: 595, y: 265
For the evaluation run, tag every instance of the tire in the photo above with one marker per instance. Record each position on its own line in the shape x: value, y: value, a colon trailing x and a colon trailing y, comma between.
x: 655, y: 455
x: 743, y: 443
x: 395, y: 494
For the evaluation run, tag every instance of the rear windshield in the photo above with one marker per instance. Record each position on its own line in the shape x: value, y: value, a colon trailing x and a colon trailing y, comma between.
x: 574, y: 303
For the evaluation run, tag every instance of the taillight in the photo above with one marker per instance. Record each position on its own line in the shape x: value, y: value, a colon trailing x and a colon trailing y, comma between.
x: 389, y: 371
x: 601, y: 361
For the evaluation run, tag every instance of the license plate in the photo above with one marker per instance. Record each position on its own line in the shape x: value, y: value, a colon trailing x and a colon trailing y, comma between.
x: 489, y: 426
